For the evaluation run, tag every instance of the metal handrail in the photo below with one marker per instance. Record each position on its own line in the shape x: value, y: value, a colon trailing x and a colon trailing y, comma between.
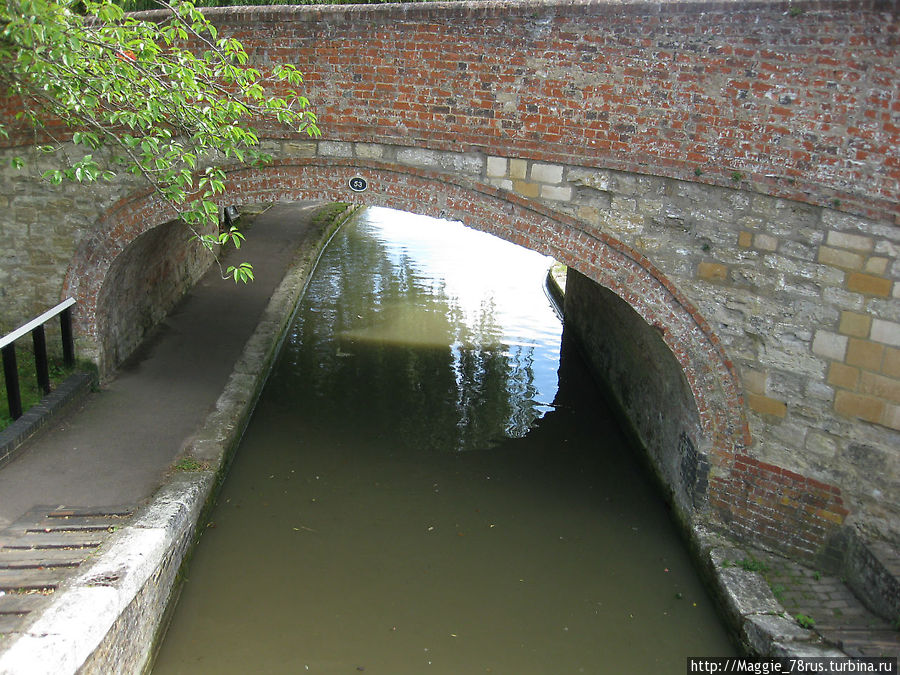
x: 36, y: 328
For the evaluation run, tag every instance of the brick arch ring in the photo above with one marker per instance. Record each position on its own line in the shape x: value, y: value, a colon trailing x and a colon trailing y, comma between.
x: 627, y: 273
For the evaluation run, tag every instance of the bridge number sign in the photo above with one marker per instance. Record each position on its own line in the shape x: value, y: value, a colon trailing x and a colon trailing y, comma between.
x: 358, y: 184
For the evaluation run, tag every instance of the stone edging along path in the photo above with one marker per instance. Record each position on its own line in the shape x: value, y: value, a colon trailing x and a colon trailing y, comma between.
x: 109, y: 618
x: 749, y: 607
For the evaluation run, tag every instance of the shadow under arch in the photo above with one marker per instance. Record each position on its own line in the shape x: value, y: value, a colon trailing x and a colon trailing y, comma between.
x: 142, y: 285
x: 712, y: 380
x: 640, y: 378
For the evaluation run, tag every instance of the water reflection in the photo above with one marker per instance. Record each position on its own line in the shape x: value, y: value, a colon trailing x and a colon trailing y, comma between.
x: 440, y: 336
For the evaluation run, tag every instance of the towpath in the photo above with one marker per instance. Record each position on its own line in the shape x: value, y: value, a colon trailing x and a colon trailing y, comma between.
x: 89, y: 469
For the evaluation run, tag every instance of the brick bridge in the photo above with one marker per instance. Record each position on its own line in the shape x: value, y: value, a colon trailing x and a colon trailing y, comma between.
x: 723, y: 177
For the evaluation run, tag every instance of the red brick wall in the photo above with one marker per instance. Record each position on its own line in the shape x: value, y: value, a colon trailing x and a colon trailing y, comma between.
x: 795, y: 99
x: 789, y: 512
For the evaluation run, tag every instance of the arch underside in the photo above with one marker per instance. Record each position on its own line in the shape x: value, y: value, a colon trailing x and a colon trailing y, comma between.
x: 511, y: 217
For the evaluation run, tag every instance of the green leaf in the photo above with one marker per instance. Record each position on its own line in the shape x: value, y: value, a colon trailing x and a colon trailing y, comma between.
x: 55, y: 176
x: 242, y: 272
x: 132, y: 86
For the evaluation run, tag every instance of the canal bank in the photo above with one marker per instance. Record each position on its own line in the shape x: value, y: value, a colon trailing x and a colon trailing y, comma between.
x: 108, y: 617
x: 105, y: 618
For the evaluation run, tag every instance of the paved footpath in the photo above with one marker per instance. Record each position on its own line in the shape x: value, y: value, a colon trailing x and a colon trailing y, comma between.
x: 85, y: 473
x: 838, y: 615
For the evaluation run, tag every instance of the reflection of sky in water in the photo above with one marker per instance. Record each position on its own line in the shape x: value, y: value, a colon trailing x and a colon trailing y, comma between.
x: 475, y: 267
x: 479, y: 273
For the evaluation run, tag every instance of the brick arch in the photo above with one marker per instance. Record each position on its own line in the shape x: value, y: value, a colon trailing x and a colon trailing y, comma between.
x: 114, y: 231
x: 746, y: 494
x: 608, y: 262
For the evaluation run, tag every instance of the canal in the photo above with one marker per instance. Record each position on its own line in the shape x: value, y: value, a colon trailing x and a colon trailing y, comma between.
x: 431, y: 483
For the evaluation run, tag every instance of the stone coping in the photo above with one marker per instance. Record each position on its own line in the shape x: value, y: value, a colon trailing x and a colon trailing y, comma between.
x: 757, y: 621
x: 111, y: 616
x: 477, y: 8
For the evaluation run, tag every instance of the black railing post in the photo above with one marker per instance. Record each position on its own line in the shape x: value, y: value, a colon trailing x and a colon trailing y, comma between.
x: 36, y: 328
x: 11, y: 376
x: 41, y: 366
x: 68, y: 343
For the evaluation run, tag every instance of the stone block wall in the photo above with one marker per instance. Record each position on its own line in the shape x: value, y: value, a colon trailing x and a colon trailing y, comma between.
x: 41, y: 227
x: 762, y: 271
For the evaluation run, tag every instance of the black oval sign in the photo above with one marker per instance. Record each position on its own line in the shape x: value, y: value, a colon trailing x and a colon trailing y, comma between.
x: 358, y: 184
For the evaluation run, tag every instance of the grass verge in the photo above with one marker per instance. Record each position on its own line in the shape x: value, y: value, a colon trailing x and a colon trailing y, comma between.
x: 28, y: 387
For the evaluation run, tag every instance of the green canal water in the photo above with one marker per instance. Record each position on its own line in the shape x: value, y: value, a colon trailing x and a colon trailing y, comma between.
x: 432, y: 484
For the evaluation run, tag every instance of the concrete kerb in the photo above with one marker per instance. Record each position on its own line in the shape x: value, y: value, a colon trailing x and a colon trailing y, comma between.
x: 756, y: 619
x: 115, y: 593
x: 110, y: 617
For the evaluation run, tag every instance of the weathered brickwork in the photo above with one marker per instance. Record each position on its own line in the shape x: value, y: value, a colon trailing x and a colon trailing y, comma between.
x: 790, y: 512
x: 728, y: 170
x: 798, y: 99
